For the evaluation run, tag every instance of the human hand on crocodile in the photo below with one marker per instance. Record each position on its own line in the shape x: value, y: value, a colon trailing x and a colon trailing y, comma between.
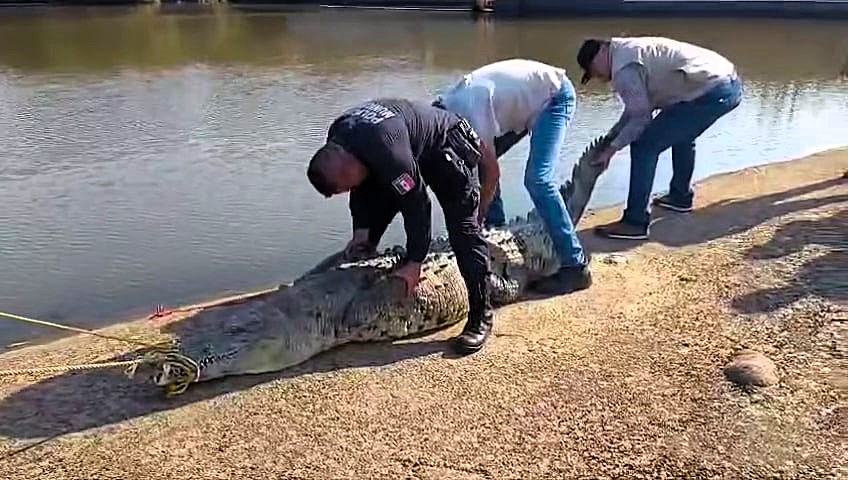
x: 604, y: 157
x: 481, y: 217
x: 410, y: 272
x: 359, y: 247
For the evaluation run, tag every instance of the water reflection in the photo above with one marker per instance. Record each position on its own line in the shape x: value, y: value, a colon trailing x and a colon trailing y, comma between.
x: 153, y: 157
x: 150, y: 37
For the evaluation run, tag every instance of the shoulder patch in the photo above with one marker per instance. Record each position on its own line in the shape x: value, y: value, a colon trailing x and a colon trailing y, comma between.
x: 403, y: 184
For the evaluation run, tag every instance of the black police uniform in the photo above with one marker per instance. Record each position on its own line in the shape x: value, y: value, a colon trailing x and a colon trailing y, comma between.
x: 406, y: 147
x: 502, y: 143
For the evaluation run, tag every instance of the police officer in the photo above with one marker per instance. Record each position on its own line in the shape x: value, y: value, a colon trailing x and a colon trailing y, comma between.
x: 385, y: 152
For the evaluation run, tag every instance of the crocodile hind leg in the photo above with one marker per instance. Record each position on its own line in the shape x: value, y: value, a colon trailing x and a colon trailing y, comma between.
x: 502, y: 290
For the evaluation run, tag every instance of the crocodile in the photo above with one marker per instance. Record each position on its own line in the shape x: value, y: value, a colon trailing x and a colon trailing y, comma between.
x: 339, y: 302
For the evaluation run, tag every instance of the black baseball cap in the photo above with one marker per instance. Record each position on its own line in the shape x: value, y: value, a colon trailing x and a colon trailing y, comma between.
x: 585, y: 56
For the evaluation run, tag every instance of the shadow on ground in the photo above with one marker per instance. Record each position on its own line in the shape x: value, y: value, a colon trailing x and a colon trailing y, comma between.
x: 78, y: 401
x: 825, y: 276
x: 719, y: 219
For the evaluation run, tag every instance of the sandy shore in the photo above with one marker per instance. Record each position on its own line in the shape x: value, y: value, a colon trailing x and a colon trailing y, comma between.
x: 621, y: 381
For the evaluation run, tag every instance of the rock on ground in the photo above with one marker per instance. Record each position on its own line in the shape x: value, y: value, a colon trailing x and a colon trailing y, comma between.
x: 751, y: 368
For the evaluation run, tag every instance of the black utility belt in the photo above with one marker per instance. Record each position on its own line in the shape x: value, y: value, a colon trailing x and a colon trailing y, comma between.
x: 464, y: 142
x: 468, y: 132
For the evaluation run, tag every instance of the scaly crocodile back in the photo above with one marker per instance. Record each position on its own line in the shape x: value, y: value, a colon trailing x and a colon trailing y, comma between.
x: 577, y: 191
x: 337, y: 302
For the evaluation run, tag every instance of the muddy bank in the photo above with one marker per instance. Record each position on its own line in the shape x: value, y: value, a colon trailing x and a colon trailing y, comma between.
x: 624, y: 380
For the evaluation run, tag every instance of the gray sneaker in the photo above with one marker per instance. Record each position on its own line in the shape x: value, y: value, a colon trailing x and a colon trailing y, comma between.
x: 623, y: 230
x: 667, y: 202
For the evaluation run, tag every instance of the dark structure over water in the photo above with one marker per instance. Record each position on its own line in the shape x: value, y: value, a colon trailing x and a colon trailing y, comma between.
x: 725, y: 8
x: 802, y: 8
x: 822, y: 9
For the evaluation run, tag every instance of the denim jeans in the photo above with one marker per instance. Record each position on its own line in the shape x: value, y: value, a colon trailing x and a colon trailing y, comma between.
x: 677, y: 127
x: 546, y: 137
x: 496, y: 217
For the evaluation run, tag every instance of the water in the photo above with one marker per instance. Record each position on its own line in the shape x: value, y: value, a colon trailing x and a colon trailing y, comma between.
x: 157, y: 155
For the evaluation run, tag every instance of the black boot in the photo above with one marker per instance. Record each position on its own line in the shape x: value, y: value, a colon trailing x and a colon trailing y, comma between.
x: 565, y: 280
x: 475, y: 334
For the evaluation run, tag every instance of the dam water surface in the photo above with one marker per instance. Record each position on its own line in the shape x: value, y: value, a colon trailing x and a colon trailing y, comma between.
x: 157, y: 155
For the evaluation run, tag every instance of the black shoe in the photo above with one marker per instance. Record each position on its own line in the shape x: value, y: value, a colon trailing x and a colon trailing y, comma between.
x: 666, y: 201
x: 623, y: 230
x: 565, y: 280
x: 475, y: 334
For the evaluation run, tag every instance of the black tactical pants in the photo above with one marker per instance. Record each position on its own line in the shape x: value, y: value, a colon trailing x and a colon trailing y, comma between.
x: 458, y: 192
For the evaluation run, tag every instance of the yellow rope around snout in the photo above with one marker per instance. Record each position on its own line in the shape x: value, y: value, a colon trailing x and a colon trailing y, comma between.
x: 157, y: 352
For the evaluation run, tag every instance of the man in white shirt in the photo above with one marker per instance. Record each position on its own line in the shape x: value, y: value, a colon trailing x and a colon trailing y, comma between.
x: 503, y: 101
x: 690, y: 85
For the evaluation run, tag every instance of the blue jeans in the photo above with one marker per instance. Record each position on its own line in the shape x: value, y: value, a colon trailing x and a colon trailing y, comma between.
x: 546, y: 137
x: 496, y: 217
x: 677, y: 127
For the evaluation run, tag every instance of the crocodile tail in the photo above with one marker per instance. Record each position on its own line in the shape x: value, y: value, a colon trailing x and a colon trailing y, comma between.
x: 577, y: 191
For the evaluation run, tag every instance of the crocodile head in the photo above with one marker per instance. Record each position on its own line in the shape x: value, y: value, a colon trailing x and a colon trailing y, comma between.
x: 175, y: 371
x: 167, y: 369
x: 268, y: 331
x: 206, y: 345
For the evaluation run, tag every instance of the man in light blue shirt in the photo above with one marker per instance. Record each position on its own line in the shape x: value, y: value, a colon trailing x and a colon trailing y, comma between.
x: 503, y: 101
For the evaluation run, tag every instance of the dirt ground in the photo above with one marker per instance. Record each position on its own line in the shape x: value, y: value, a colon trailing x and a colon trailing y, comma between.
x: 623, y: 380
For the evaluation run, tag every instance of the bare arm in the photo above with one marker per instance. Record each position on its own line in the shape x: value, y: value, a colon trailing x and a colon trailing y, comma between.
x: 479, y: 110
x: 490, y: 175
